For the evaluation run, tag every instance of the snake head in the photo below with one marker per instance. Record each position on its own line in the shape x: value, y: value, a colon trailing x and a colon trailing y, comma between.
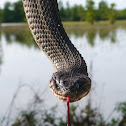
x: 73, y: 86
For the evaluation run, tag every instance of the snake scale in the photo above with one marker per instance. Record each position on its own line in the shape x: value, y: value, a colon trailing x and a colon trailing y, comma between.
x: 71, y: 79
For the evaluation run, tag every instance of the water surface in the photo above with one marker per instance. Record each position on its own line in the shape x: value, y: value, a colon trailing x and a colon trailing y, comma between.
x: 22, y: 62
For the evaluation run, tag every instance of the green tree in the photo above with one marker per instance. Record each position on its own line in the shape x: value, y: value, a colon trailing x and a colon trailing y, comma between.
x: 1, y: 16
x: 78, y: 13
x: 112, y: 14
x: 103, y: 10
x: 68, y: 11
x: 74, y: 13
x: 13, y: 12
x: 121, y: 14
x: 65, y: 13
x: 62, y: 11
x: 62, y: 14
x: 8, y: 12
x: 81, y: 13
x: 90, y: 15
x: 19, y: 15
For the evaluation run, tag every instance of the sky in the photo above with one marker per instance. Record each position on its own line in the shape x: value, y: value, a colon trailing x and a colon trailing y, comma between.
x: 120, y: 4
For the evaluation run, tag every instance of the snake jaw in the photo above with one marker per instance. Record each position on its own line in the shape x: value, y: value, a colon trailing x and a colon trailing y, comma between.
x: 75, y: 87
x: 64, y: 98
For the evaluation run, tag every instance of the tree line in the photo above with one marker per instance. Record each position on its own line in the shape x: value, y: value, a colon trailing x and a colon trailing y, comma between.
x: 14, y: 12
x: 89, y: 13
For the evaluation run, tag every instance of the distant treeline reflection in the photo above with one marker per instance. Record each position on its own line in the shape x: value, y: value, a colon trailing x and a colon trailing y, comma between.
x: 1, y: 53
x: 21, y: 34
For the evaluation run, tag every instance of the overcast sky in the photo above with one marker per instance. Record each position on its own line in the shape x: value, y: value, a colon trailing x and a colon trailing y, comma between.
x: 120, y: 4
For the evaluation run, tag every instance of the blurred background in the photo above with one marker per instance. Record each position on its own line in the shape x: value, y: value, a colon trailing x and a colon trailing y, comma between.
x: 97, y: 28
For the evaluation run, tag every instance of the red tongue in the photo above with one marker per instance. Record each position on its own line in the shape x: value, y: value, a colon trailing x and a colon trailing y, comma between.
x: 68, y: 112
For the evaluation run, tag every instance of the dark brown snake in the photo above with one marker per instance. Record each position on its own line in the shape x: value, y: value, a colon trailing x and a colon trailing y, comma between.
x: 71, y: 78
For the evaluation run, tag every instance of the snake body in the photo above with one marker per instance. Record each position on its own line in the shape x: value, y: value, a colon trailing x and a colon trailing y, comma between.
x: 71, y: 78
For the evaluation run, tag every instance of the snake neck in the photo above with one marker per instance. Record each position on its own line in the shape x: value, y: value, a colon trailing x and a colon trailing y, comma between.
x: 71, y: 78
x: 45, y: 25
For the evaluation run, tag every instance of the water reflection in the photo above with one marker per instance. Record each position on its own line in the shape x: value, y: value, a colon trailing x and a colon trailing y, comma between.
x: 113, y: 36
x: 22, y: 35
x: 18, y: 34
x: 1, y: 52
x: 91, y: 37
x: 104, y: 33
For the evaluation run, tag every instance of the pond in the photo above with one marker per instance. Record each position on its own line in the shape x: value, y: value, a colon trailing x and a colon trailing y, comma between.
x: 103, y: 46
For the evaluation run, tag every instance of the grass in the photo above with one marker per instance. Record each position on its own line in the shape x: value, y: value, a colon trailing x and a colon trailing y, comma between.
x: 100, y: 24
x: 77, y: 26
x: 36, y: 114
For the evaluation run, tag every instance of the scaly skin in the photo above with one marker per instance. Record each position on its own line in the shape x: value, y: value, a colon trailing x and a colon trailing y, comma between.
x: 71, y: 78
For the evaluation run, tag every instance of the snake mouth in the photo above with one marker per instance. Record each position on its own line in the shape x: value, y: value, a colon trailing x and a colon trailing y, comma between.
x: 55, y: 92
x: 75, y: 88
x: 63, y: 97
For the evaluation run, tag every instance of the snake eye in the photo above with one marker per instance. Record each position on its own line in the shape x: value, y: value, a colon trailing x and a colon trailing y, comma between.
x: 77, y: 85
x: 61, y: 83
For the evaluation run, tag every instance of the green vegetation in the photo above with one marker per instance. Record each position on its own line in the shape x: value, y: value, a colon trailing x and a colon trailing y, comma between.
x: 37, y: 114
x: 102, y: 12
x: 14, y: 12
x: 90, y: 14
x: 112, y: 14
x: 8, y: 13
x: 86, y: 117
x: 1, y: 14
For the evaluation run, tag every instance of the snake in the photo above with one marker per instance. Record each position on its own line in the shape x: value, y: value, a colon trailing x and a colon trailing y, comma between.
x: 71, y: 77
